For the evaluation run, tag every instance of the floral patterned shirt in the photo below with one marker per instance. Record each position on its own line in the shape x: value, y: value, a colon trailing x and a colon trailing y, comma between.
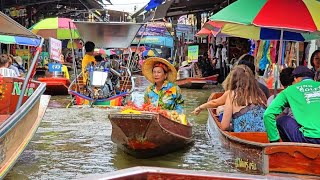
x: 168, y: 97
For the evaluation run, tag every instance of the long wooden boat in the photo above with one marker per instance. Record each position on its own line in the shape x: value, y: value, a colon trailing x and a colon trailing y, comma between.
x: 197, y: 82
x: 56, y: 85
x: 17, y: 127
x: 151, y: 173
x: 78, y: 89
x: 254, y: 154
x: 191, y: 83
x: 148, y: 134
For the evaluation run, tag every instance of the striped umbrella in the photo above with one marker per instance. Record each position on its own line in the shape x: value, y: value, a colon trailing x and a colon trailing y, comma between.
x: 257, y: 33
x: 295, y: 20
x: 19, y: 40
x: 57, y: 28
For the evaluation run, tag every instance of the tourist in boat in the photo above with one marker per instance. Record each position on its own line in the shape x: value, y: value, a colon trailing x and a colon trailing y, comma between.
x: 245, y: 103
x: 4, y: 67
x: 315, y: 63
x: 303, y: 97
x: 163, y: 92
x: 11, y: 66
x: 214, y: 103
x: 87, y: 59
x: 18, y: 62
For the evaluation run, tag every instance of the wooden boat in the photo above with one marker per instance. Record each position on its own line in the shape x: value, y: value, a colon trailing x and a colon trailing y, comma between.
x: 151, y: 173
x: 56, y: 85
x: 254, y: 154
x: 78, y: 89
x: 191, y: 83
x: 22, y: 105
x: 91, y: 31
x: 17, y: 127
x: 148, y: 134
x: 197, y: 82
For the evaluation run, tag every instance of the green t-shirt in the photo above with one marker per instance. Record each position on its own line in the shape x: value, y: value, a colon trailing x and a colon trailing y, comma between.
x: 304, y: 100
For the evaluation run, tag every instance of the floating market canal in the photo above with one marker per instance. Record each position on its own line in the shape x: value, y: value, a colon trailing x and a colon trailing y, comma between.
x: 75, y: 142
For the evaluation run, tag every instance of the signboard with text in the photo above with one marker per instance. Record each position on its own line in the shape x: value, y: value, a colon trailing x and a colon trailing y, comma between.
x: 55, y: 67
x: 193, y: 52
x: 55, y: 47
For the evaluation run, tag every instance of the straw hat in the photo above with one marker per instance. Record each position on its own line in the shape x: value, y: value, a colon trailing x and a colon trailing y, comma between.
x: 147, y: 68
x: 18, y: 59
x: 184, y: 63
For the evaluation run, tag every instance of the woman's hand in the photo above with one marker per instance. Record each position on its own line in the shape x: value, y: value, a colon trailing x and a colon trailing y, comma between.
x: 197, y: 110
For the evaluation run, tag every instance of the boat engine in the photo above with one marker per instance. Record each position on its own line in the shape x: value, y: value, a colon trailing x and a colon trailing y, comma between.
x: 103, y: 81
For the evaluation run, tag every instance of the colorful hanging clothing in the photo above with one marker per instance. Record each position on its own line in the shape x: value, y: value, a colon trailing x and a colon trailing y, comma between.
x: 265, y: 56
x: 168, y: 97
x: 273, y: 50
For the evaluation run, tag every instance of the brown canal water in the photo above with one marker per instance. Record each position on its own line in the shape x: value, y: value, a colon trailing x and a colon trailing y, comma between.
x: 75, y: 142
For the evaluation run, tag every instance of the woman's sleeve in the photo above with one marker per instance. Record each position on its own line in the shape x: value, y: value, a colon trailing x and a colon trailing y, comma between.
x: 179, y: 100
x: 146, y: 96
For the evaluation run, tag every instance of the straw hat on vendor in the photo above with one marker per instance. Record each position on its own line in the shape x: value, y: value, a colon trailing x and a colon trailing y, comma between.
x: 163, y: 92
x: 152, y: 62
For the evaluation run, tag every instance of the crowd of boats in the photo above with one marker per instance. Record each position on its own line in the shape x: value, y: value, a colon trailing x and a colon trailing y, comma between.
x: 140, y: 134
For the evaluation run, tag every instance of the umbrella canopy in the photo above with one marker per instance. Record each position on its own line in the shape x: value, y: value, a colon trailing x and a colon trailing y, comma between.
x: 19, y: 40
x: 57, y: 28
x: 204, y: 32
x: 257, y: 33
x: 301, y: 15
x: 76, y: 44
x: 105, y: 52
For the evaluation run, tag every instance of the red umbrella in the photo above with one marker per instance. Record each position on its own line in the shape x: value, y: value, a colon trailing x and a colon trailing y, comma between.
x: 204, y: 32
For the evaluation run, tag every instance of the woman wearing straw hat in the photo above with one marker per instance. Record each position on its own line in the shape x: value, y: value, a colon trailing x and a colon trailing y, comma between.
x: 163, y: 92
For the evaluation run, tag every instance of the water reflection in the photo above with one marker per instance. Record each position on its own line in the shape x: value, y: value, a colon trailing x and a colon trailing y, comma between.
x: 75, y: 142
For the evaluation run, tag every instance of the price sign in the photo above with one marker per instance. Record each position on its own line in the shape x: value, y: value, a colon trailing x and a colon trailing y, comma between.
x: 55, y: 67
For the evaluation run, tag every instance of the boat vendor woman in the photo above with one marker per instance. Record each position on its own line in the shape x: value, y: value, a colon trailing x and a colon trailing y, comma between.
x: 163, y: 92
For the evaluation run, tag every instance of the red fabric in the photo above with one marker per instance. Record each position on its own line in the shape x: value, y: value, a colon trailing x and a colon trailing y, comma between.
x: 287, y: 14
x: 204, y: 31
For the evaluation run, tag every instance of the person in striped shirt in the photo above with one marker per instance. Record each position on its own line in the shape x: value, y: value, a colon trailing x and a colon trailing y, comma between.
x: 4, y: 64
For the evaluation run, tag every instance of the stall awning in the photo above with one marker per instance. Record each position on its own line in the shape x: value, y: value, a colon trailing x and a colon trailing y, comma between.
x: 12, y: 28
x: 108, y: 35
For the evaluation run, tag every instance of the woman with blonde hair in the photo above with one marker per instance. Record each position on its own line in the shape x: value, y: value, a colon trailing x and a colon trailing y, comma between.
x: 245, y: 103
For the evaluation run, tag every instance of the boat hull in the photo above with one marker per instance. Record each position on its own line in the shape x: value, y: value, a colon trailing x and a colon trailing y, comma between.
x: 77, y: 88
x: 18, y: 127
x: 197, y: 83
x: 141, y: 172
x: 55, y: 85
x: 191, y: 83
x: 255, y: 155
x: 148, y: 135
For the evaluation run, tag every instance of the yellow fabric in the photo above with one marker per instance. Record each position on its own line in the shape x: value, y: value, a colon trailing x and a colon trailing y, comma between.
x: 314, y: 7
x: 239, y: 30
x: 85, y: 61
x: 65, y: 71
x: 260, y: 52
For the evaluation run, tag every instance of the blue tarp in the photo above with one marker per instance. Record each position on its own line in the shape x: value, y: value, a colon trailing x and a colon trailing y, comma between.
x: 153, y: 4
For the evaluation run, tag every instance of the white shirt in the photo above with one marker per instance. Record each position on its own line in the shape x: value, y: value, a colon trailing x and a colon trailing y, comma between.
x: 6, y: 72
x: 15, y: 69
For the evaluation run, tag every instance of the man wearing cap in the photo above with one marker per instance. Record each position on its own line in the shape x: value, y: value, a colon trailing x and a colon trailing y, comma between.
x: 303, y: 97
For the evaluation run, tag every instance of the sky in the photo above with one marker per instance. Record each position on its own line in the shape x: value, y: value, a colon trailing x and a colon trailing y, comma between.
x: 127, y: 5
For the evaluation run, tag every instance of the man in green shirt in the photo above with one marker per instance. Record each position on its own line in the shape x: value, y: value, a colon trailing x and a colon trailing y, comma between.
x: 303, y: 97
